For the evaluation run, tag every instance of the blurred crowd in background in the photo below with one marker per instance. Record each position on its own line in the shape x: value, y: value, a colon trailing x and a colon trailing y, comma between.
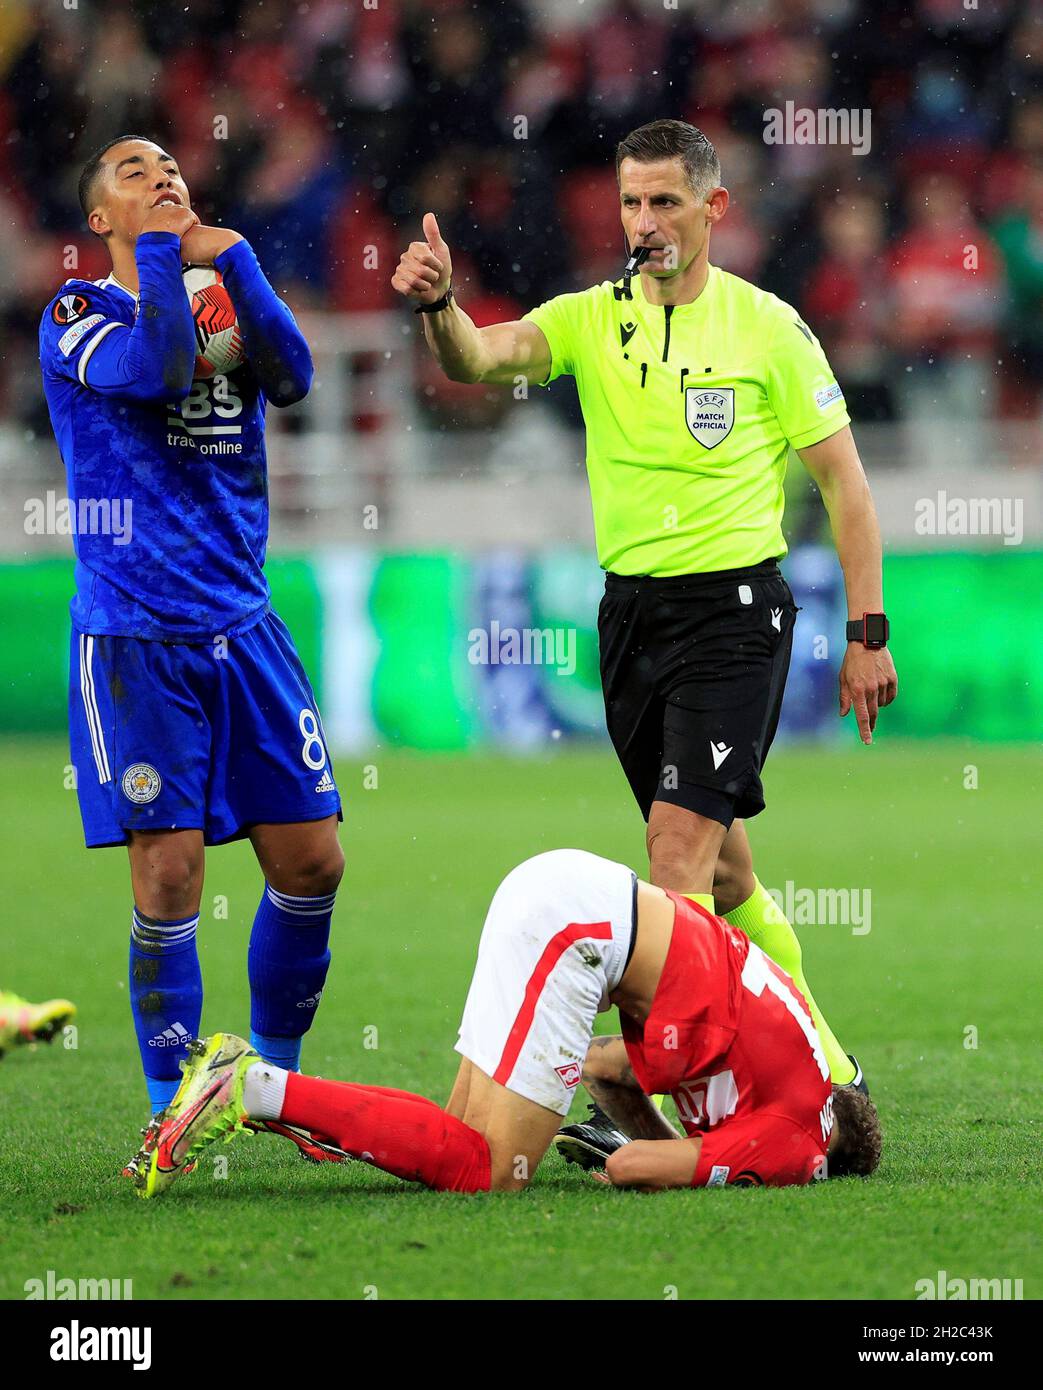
x: 919, y: 264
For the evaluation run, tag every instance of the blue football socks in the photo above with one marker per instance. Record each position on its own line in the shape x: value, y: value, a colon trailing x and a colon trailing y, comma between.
x: 166, y: 998
x: 288, y: 960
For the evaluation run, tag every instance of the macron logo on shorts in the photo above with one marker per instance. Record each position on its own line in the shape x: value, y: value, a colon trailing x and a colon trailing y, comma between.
x: 720, y: 751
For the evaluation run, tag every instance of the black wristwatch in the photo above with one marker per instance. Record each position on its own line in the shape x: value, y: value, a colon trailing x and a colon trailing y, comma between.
x: 442, y: 303
x: 871, y: 629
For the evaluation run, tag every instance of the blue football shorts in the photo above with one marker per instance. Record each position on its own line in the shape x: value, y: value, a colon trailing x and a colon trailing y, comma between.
x: 215, y: 737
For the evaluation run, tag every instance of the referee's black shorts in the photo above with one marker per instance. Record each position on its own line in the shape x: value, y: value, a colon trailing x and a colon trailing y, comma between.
x: 693, y: 669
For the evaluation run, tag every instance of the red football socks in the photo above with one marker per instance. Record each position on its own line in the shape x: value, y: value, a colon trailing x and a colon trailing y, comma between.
x: 404, y: 1134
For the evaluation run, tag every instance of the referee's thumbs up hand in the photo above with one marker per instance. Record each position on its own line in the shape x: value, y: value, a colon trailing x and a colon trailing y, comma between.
x: 424, y: 268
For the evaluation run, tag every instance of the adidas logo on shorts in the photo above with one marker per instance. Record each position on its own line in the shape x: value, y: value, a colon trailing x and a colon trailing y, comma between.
x: 325, y: 782
x: 170, y: 1037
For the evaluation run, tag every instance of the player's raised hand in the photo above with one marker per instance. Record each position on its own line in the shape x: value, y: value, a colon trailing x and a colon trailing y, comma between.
x: 868, y: 682
x: 201, y: 245
x: 424, y: 268
x: 170, y: 217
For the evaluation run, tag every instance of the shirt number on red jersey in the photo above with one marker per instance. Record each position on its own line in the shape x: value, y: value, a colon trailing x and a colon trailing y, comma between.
x: 707, y: 1100
x: 758, y: 976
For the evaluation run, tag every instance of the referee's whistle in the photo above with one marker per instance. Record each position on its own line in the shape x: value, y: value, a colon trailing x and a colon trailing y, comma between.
x: 638, y: 256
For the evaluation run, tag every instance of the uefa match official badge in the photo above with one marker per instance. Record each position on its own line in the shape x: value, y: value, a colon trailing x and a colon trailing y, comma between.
x: 709, y: 413
x: 141, y: 783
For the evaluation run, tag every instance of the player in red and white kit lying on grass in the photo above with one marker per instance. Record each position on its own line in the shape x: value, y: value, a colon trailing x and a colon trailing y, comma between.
x: 706, y: 1016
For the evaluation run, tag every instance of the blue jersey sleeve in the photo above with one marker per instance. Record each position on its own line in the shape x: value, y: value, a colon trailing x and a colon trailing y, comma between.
x: 275, y: 347
x: 85, y: 338
x: 74, y: 324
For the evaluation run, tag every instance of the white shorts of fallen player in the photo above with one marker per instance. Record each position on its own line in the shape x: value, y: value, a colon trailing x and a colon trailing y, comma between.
x: 556, y: 941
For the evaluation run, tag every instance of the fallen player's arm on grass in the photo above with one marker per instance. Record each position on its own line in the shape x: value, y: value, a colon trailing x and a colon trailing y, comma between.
x: 608, y: 1077
x: 653, y: 1164
x: 655, y: 1158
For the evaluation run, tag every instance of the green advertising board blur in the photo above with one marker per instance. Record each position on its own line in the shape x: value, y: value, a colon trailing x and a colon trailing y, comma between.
x: 389, y: 641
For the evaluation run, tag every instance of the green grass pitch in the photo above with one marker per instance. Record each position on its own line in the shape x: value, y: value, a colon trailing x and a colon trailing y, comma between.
x: 955, y: 945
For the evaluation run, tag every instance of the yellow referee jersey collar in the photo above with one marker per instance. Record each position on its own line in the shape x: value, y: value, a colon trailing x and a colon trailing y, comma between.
x: 691, y: 306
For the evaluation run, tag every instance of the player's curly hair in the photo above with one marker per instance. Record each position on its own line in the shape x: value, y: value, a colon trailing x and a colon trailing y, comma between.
x: 856, y: 1152
x: 90, y: 170
x: 667, y: 139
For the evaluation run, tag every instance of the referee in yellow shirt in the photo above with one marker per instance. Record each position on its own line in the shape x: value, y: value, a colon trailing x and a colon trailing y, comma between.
x: 694, y: 385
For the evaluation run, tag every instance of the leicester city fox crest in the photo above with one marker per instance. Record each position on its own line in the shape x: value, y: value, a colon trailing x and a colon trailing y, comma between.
x: 141, y: 783
x: 709, y: 413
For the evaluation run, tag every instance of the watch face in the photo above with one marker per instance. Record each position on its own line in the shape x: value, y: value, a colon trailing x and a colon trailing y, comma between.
x: 876, y: 629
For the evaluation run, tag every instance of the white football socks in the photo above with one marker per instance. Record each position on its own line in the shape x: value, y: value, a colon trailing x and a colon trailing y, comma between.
x: 264, y: 1089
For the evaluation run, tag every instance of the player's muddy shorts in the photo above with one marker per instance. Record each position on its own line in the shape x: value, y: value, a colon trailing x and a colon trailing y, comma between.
x: 693, y: 671
x: 556, y: 941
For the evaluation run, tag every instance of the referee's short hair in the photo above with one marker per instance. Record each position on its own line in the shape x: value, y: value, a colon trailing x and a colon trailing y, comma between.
x: 668, y: 139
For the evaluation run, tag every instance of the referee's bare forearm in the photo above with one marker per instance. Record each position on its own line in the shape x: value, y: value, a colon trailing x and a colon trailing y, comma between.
x: 837, y: 470
x: 856, y: 534
x: 455, y: 343
x: 501, y: 354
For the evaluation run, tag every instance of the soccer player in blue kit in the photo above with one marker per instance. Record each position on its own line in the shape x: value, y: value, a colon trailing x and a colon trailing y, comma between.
x: 192, y: 721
